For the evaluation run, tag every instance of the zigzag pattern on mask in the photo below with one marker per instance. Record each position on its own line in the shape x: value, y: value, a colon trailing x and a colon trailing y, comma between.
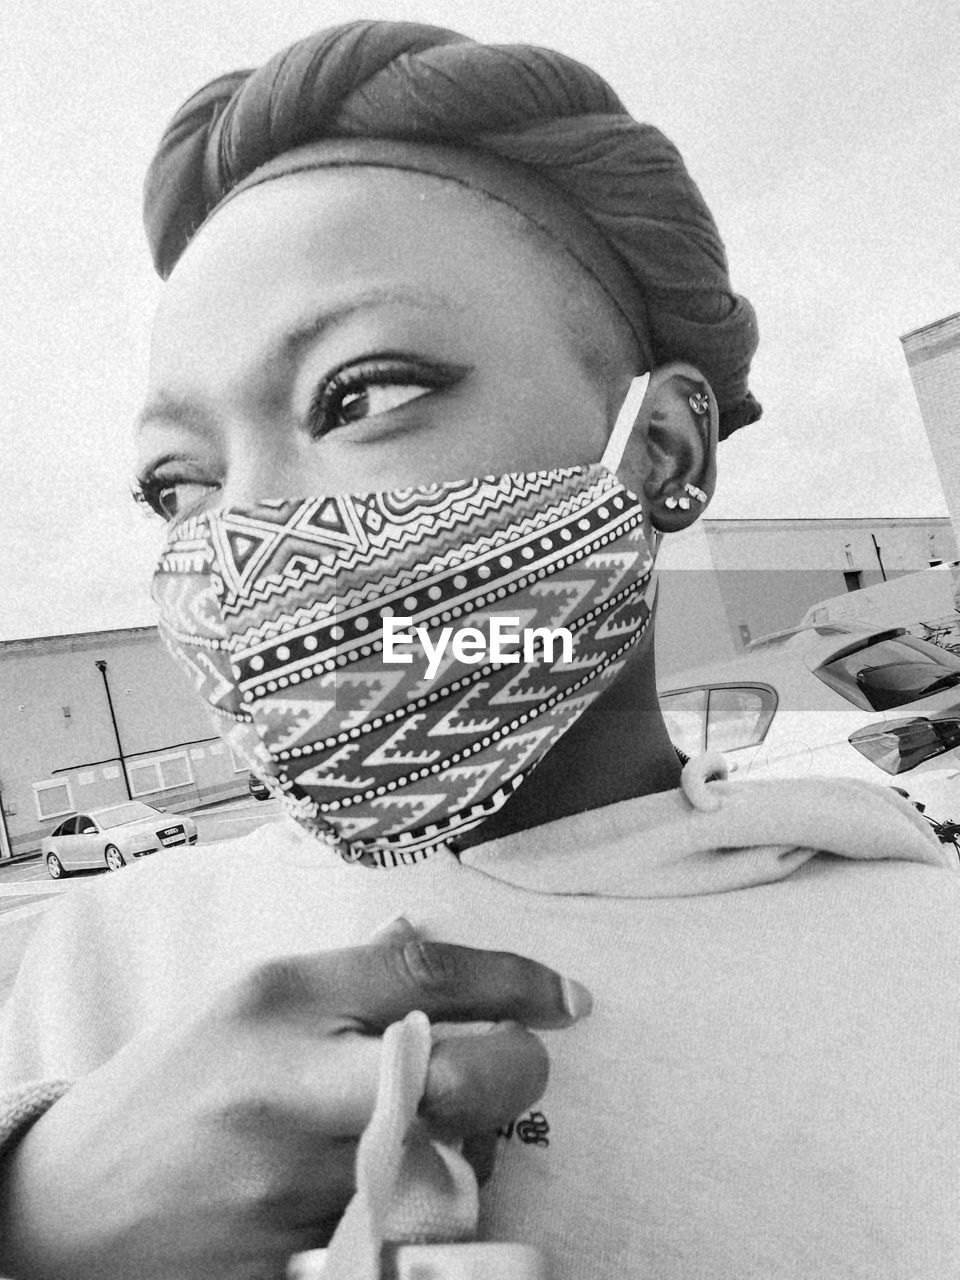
x: 379, y: 759
x: 475, y: 580
x: 335, y: 696
x: 440, y: 730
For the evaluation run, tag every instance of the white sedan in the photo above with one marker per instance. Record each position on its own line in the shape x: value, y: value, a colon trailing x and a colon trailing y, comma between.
x: 110, y: 838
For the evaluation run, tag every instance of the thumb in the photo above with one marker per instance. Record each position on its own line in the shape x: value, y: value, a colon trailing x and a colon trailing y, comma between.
x: 394, y: 931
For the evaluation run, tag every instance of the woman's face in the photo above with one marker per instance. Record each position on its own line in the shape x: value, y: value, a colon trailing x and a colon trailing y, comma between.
x: 361, y: 329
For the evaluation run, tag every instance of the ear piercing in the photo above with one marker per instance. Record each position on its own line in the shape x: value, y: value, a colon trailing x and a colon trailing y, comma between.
x: 699, y: 402
x: 683, y: 502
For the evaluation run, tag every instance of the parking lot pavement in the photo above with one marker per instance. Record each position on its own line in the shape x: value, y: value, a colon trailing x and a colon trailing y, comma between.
x: 229, y: 822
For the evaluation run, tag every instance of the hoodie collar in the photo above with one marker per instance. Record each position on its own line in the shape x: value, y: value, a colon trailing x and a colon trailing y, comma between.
x: 711, y: 836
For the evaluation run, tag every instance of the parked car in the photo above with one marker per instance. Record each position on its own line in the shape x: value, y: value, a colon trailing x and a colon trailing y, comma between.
x: 830, y: 700
x: 110, y: 838
x: 257, y: 787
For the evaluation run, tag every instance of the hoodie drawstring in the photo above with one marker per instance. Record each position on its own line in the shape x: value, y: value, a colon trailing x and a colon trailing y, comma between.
x: 412, y: 1192
x: 697, y: 774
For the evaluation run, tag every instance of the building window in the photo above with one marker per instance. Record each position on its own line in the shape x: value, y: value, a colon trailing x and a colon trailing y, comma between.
x: 239, y: 764
x: 163, y: 774
x: 851, y: 578
x: 53, y: 799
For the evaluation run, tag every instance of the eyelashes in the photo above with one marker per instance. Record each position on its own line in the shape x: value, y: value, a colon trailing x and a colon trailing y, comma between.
x: 142, y: 495
x: 170, y: 497
x: 175, y: 485
x: 373, y: 388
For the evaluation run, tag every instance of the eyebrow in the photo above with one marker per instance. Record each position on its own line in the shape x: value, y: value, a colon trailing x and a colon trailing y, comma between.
x: 174, y: 409
x: 286, y: 348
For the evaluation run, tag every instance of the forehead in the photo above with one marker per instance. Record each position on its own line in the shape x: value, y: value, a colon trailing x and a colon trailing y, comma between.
x: 347, y: 230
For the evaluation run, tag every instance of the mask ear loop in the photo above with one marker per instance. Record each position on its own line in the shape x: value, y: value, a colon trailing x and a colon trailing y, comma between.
x: 626, y: 421
x: 621, y: 433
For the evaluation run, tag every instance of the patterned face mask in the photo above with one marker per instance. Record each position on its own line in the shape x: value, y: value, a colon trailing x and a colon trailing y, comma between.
x: 328, y: 636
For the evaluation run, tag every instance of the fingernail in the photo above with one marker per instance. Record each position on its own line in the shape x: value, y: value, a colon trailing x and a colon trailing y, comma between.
x: 396, y: 928
x: 577, y: 1000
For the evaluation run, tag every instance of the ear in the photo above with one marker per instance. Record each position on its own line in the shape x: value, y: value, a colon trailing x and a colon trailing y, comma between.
x: 671, y: 457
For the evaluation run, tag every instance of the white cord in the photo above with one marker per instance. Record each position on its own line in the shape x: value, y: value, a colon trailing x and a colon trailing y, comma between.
x: 626, y: 421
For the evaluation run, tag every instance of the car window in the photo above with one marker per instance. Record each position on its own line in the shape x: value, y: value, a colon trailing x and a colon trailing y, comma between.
x: 685, y: 714
x: 738, y: 716
x: 85, y: 825
x: 890, y: 673
x: 898, y: 746
x: 64, y: 829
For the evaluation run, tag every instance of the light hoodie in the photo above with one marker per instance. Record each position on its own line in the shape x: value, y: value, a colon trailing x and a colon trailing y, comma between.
x: 767, y: 1087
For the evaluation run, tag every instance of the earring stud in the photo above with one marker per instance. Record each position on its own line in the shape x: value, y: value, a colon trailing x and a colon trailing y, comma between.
x: 699, y: 402
x: 683, y: 501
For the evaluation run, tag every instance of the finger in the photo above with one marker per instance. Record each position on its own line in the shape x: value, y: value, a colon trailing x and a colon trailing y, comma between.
x: 478, y: 1083
x: 337, y: 1085
x: 317, y: 1184
x: 474, y: 1083
x: 480, y: 1150
x: 395, y: 931
x: 375, y: 986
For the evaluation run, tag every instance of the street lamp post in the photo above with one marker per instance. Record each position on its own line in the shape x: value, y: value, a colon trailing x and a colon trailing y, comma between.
x: 5, y: 849
x: 876, y: 547
x: 101, y: 665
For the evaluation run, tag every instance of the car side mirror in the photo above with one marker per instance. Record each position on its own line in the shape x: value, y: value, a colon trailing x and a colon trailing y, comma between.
x: 897, y: 746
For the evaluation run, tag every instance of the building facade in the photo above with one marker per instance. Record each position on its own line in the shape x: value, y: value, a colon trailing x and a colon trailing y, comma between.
x: 94, y: 719
x: 933, y: 358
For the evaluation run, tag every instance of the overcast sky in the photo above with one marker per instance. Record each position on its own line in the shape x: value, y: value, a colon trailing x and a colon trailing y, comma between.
x: 825, y: 135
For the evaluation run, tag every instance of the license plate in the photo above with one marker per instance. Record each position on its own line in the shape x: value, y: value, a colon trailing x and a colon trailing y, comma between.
x: 168, y: 841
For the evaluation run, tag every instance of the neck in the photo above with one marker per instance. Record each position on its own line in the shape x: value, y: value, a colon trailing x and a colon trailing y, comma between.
x: 618, y: 750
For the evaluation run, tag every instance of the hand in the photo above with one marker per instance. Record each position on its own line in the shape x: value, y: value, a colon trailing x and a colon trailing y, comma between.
x: 215, y: 1150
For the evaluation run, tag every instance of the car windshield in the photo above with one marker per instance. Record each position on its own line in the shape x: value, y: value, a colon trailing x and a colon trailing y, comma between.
x: 892, y: 674
x: 122, y: 813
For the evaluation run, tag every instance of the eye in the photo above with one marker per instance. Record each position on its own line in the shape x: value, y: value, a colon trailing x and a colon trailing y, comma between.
x: 369, y: 401
x: 172, y: 498
x: 375, y: 388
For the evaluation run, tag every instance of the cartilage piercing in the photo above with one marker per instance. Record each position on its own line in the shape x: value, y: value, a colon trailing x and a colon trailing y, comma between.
x: 699, y: 402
